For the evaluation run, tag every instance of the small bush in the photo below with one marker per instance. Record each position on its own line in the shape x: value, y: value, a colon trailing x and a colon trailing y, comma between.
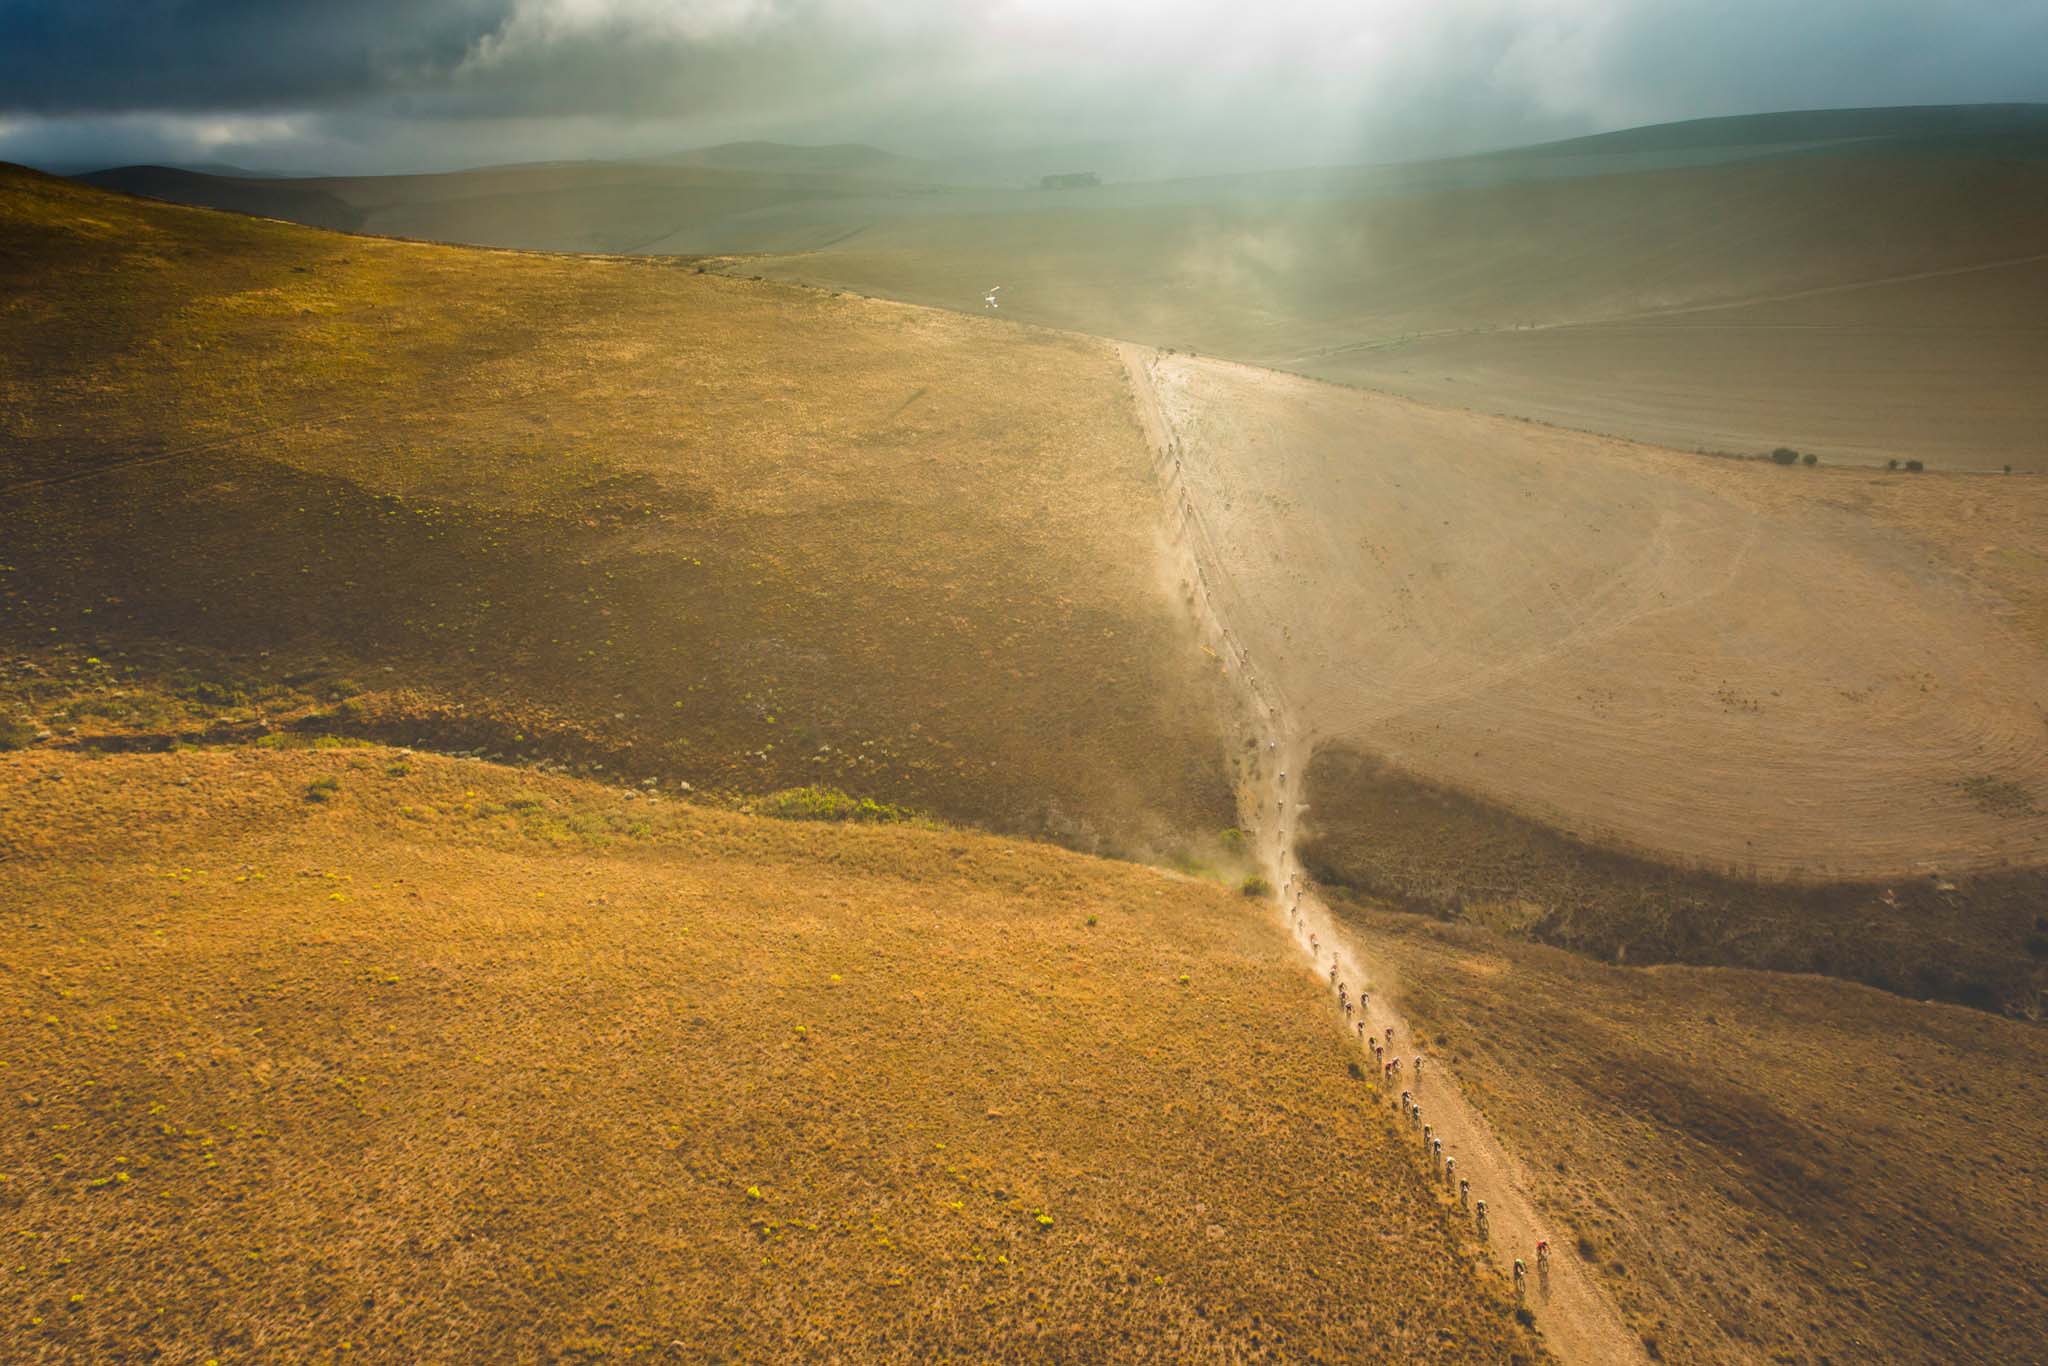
x: 1785, y: 455
x: 1525, y: 1316
x: 1914, y: 467
x: 209, y: 693
x: 15, y: 733
x: 1232, y: 840
x: 1809, y: 459
x: 1891, y: 464
x: 828, y: 804
x: 322, y: 789
x: 1586, y: 1249
x: 1255, y: 885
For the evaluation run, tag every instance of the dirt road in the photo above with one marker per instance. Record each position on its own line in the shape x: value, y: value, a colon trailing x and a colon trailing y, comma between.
x: 1577, y: 1318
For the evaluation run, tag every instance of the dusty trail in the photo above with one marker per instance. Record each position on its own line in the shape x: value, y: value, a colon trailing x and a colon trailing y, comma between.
x: 1578, y: 1320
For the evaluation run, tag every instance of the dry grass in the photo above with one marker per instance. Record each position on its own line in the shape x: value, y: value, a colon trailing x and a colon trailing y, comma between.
x: 609, y: 511
x: 465, y: 1062
x: 1767, y: 1167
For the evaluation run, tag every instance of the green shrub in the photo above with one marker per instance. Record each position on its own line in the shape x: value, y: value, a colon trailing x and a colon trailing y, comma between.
x: 322, y: 789
x: 1809, y: 459
x: 817, y: 803
x: 1914, y: 467
x: 1254, y: 885
x: 1785, y: 455
x: 1891, y: 464
x: 209, y: 693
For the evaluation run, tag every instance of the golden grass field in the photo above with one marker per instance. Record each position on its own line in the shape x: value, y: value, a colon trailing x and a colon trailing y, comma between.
x: 600, y: 510
x: 459, y: 1061
x: 1765, y: 1167
x: 328, y: 1050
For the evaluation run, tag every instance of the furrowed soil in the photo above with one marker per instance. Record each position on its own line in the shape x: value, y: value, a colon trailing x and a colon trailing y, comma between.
x: 602, y: 511
x: 1637, y: 647
x: 1760, y: 1167
x: 352, y: 1054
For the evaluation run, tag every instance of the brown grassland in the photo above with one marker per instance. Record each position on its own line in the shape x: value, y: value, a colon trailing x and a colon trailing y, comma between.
x: 1767, y: 1167
x: 599, y: 510
x: 343, y: 1053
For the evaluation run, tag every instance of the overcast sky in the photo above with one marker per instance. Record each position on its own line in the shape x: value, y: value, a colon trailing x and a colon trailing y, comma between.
x: 388, y: 85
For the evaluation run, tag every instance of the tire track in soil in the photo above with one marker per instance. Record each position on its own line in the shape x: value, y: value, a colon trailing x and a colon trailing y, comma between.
x: 1577, y: 1318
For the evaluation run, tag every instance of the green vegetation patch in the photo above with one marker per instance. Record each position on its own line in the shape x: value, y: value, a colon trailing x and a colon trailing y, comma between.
x: 817, y: 803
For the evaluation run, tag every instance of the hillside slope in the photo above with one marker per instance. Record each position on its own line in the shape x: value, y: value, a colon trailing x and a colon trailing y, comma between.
x: 1760, y: 1167
x: 605, y: 511
x: 463, y: 1062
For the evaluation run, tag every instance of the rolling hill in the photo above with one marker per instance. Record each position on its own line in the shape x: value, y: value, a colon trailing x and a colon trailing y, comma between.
x: 464, y: 1061
x: 1866, y: 283
x: 604, y: 512
x: 280, y: 500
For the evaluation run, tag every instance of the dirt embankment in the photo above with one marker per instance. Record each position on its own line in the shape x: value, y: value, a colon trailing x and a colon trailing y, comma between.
x: 1976, y: 939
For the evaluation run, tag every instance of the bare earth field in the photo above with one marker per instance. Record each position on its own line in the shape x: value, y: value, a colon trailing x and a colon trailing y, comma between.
x: 1760, y: 1167
x: 346, y: 1054
x: 1639, y: 648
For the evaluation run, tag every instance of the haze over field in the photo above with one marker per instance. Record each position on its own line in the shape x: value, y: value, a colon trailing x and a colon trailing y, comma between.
x: 750, y: 679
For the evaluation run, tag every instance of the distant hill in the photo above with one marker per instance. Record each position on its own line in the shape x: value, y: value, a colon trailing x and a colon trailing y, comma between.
x: 1767, y: 132
x: 844, y: 158
x: 1562, y: 281
x: 263, y: 196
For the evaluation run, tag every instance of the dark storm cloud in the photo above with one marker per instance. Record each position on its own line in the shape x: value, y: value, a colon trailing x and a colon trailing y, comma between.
x: 385, y: 84
x: 115, y: 56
